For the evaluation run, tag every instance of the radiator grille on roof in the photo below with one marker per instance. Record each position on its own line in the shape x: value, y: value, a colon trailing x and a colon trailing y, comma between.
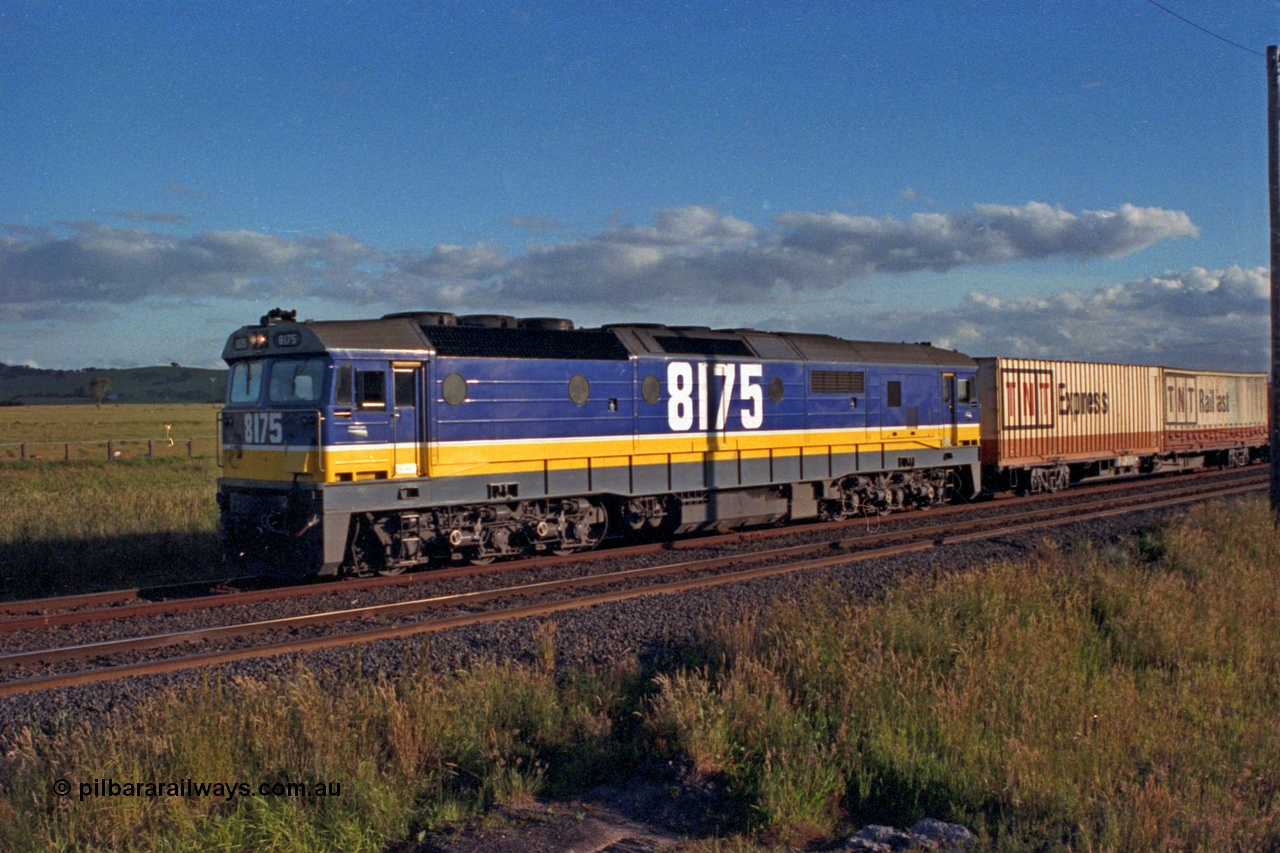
x: 703, y: 346
x: 483, y: 342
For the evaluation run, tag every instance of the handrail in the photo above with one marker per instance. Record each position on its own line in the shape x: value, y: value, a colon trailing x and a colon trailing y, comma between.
x: 320, y: 442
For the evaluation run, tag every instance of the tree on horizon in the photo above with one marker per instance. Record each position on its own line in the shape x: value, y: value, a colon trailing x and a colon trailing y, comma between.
x: 99, y: 388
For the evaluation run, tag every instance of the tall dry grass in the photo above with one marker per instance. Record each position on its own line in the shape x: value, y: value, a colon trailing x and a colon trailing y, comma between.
x: 405, y: 758
x: 1118, y: 699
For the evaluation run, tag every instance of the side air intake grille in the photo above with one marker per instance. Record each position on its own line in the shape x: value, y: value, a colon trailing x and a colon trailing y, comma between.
x: 838, y: 382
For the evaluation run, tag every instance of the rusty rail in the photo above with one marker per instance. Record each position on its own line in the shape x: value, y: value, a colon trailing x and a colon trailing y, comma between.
x: 917, y: 540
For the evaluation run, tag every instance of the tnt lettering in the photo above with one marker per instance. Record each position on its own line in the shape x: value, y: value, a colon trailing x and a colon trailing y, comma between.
x: 1028, y: 401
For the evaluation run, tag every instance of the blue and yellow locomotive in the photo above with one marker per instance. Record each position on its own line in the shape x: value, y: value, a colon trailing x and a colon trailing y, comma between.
x: 378, y: 445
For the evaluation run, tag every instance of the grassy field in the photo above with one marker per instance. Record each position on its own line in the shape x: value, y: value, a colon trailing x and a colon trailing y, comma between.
x: 89, y: 524
x: 1125, y: 699
x: 47, y: 429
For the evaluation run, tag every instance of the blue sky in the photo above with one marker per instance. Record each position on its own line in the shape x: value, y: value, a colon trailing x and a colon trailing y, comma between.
x: 1059, y: 179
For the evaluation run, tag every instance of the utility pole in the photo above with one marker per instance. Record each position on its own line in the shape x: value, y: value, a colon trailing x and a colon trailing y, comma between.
x: 1273, y: 169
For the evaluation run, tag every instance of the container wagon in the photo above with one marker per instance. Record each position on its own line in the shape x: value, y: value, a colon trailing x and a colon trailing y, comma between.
x: 1213, y: 418
x: 1047, y: 424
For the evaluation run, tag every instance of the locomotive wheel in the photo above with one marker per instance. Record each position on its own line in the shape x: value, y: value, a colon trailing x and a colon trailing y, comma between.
x: 365, y: 556
x: 592, y: 539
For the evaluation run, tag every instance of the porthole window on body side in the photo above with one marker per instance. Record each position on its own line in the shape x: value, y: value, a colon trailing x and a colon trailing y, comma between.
x: 579, y: 389
x: 651, y: 389
x: 454, y: 389
x: 775, y: 389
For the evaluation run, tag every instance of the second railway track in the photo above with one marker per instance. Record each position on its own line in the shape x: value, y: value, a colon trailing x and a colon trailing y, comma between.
x: 40, y: 669
x: 111, y: 605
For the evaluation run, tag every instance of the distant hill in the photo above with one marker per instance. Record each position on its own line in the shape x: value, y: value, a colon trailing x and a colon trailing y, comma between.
x: 172, y: 384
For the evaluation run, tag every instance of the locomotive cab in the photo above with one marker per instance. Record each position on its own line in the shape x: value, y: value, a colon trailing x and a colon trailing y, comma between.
x: 271, y: 424
x: 271, y: 453
x: 301, y: 414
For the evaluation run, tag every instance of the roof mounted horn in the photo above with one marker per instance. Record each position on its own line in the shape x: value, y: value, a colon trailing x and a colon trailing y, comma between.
x: 278, y: 315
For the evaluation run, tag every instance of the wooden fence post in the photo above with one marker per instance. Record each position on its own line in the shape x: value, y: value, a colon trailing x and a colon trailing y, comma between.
x: 108, y: 450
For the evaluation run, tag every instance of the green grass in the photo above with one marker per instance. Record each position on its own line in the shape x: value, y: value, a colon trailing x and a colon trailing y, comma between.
x: 47, y: 430
x: 80, y: 526
x: 406, y: 758
x: 1094, y: 701
x: 89, y: 524
x: 1124, y: 699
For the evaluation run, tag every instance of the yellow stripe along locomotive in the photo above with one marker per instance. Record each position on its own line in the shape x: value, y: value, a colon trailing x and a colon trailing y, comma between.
x: 378, y: 445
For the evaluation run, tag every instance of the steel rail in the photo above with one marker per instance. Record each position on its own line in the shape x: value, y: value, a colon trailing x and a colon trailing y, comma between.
x: 128, y: 604
x: 925, y: 542
x: 273, y: 594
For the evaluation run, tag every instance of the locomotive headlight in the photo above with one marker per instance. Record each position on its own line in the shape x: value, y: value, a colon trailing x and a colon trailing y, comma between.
x: 258, y: 340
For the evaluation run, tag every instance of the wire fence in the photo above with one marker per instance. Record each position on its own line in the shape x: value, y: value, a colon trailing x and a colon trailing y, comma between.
x: 111, y: 448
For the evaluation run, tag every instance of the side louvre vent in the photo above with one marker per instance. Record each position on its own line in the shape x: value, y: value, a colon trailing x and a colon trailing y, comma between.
x: 838, y: 382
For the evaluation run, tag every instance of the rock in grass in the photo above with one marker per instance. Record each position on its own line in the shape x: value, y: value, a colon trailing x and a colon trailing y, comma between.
x: 948, y: 836
x: 927, y: 835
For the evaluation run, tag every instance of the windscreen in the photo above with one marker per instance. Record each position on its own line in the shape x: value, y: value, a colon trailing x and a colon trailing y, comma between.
x: 246, y: 382
x: 296, y: 380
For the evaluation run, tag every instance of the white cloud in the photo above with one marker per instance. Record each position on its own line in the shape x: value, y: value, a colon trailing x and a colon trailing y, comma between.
x: 694, y: 252
x: 97, y: 264
x: 692, y: 264
x: 1196, y: 317
x: 989, y: 234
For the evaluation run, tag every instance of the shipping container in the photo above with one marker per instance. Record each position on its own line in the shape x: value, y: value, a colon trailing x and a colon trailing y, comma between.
x: 1207, y: 410
x: 1047, y: 422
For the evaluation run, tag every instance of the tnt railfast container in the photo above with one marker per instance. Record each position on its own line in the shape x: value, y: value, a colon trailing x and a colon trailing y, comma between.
x: 1216, y: 415
x: 1056, y: 422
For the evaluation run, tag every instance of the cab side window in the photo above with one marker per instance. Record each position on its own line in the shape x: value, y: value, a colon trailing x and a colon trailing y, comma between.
x: 966, y: 392
x: 372, y: 386
x: 404, y: 388
x: 344, y: 389
x: 246, y: 382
